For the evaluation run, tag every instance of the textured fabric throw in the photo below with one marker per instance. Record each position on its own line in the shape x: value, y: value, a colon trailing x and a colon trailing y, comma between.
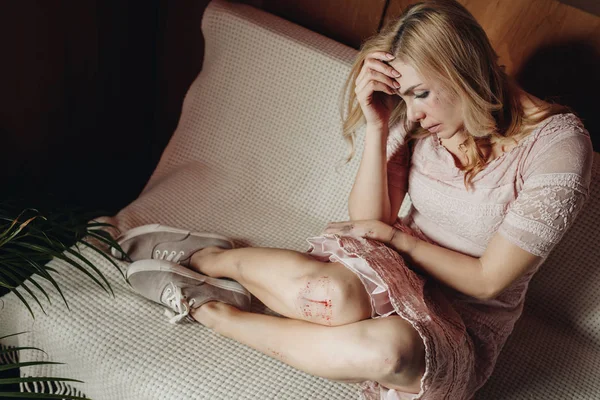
x: 257, y: 157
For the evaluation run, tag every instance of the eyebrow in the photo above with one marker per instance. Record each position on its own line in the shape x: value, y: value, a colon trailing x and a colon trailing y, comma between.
x: 410, y: 89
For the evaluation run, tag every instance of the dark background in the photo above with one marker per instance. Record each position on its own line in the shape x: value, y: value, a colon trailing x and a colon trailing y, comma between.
x: 91, y: 90
x: 87, y: 100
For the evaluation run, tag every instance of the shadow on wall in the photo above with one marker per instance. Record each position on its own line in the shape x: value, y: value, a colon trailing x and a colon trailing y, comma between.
x: 561, y: 300
x: 568, y: 74
x: 554, y: 345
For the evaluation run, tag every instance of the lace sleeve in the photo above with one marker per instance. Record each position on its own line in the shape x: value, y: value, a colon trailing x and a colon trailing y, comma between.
x: 398, y: 157
x: 556, y: 184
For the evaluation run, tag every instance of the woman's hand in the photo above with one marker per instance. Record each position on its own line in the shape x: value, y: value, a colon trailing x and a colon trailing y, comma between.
x: 376, y: 87
x: 369, y: 229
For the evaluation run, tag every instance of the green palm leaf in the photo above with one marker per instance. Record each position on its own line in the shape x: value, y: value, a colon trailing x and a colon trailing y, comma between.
x: 13, y: 395
x: 27, y: 243
x: 20, y: 380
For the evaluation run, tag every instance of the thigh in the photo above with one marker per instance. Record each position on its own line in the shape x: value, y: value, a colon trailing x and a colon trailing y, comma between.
x: 386, y: 350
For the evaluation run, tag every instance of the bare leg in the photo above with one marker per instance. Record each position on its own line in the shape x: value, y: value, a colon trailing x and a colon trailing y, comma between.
x: 291, y: 283
x: 386, y: 350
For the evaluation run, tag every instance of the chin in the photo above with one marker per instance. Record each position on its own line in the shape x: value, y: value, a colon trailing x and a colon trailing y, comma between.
x: 445, y: 135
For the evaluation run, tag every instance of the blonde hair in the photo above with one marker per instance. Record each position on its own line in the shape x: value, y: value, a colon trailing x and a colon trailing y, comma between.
x: 441, y: 39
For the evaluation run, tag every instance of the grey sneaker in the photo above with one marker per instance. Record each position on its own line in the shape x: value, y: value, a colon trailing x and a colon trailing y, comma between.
x: 181, y: 290
x: 162, y: 242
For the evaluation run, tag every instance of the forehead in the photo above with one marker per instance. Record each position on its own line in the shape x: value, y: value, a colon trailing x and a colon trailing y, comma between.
x: 408, y: 72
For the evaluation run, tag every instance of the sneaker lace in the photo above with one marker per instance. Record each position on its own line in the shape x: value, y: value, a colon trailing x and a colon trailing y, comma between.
x: 177, y: 302
x: 169, y: 256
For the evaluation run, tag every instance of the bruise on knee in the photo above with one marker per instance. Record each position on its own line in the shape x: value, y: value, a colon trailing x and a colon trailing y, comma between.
x: 314, y: 300
x: 395, y: 363
x: 404, y: 365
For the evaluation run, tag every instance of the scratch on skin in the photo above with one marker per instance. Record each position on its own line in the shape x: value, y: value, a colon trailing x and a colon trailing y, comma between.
x: 306, y: 311
x: 321, y: 309
x: 276, y: 354
x: 312, y: 308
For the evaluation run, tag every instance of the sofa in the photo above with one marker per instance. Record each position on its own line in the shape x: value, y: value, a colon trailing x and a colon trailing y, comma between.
x: 258, y: 156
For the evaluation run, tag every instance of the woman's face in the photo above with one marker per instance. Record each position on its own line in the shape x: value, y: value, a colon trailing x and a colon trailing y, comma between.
x: 427, y: 103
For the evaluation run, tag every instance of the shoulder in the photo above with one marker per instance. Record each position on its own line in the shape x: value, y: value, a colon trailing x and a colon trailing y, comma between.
x: 559, y: 127
x: 550, y: 127
x: 559, y: 144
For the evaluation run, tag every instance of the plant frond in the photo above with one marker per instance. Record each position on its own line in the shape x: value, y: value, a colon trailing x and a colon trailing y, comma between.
x: 24, y: 286
x: 104, y: 255
x: 13, y: 349
x: 8, y: 367
x: 20, y: 296
x: 7, y: 381
x: 13, y: 334
x: 42, y: 270
x: 64, y: 258
x: 92, y: 266
x: 14, y: 395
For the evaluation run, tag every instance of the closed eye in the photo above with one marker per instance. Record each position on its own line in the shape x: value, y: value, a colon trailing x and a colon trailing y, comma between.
x: 422, y: 95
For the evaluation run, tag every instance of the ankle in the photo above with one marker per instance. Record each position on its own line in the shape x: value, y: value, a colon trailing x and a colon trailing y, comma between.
x: 212, y: 314
x: 204, y: 258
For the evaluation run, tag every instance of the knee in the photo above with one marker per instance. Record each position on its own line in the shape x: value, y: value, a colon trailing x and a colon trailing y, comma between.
x: 394, y: 358
x: 330, y: 300
x: 400, y: 361
x: 351, y: 298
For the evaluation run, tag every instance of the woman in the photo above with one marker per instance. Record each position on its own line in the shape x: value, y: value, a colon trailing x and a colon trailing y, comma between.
x: 417, y: 308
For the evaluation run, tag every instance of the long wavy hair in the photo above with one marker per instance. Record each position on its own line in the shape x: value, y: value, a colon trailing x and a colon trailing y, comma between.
x: 443, y: 41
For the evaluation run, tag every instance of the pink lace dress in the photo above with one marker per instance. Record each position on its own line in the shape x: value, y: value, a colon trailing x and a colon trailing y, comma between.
x: 530, y: 195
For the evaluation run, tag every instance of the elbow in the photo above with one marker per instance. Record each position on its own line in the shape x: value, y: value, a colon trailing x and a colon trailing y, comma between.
x: 491, y: 292
x: 486, y: 288
x: 487, y: 295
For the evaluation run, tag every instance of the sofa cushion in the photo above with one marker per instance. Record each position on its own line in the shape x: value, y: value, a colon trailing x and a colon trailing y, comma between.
x: 256, y: 157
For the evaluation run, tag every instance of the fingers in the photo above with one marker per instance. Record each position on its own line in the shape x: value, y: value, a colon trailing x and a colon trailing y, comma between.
x: 375, y: 81
x: 368, y: 229
x: 378, y: 61
x: 373, y: 76
x: 375, y: 68
x: 349, y: 228
x: 339, y: 227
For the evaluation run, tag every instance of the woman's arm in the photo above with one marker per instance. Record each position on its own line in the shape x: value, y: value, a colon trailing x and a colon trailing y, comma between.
x: 369, y: 198
x: 381, y: 181
x: 556, y: 185
x: 483, y: 278
x: 375, y: 89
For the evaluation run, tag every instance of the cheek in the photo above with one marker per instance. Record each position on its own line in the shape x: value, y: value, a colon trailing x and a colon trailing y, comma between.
x: 434, y: 107
x: 443, y: 106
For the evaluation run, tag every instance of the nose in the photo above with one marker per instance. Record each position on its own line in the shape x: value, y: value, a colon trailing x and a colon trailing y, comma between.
x: 414, y: 114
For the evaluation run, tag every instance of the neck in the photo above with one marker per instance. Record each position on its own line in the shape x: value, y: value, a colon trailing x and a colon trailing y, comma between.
x: 455, y: 140
x: 454, y: 146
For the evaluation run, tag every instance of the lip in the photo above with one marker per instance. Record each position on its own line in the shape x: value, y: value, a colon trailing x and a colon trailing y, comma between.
x: 434, y: 128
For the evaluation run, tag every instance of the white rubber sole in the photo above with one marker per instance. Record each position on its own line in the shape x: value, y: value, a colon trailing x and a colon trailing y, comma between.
x: 142, y: 230
x: 162, y: 266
